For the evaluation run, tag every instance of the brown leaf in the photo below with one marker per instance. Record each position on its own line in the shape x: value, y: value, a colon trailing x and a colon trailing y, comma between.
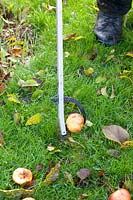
x: 113, y: 153
x: 1, y: 139
x: 2, y: 87
x: 70, y: 36
x: 17, y: 52
x: 83, y: 173
x: 116, y: 133
x: 39, y: 167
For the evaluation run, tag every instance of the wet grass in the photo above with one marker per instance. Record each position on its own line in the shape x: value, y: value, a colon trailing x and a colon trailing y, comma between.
x: 26, y: 146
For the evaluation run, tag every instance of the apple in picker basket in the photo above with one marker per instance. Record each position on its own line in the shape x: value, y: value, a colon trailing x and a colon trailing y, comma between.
x: 121, y: 194
x: 75, y: 122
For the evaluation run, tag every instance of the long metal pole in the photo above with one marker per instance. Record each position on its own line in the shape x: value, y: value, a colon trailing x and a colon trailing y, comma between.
x: 60, y: 67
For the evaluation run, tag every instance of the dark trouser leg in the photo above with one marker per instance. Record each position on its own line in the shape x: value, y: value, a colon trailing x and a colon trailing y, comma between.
x: 108, y: 27
x: 117, y: 7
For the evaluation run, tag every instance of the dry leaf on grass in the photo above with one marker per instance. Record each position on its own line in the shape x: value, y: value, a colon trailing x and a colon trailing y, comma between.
x: 1, y: 139
x: 16, y: 193
x: 83, y: 174
x: 53, y: 174
x: 116, y: 133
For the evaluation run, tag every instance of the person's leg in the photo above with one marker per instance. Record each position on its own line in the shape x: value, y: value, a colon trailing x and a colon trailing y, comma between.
x: 108, y: 27
x: 117, y: 7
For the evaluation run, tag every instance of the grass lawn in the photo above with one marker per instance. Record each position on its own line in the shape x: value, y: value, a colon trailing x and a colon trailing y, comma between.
x: 34, y: 25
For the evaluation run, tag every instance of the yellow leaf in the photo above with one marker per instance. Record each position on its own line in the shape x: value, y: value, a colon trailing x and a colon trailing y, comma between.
x: 111, y: 57
x: 78, y: 37
x: 130, y: 54
x: 13, y: 98
x: 35, y: 119
x: 127, y: 144
x: 95, y: 8
x: 126, y: 77
x: 89, y: 71
x: 53, y: 174
x: 16, y: 193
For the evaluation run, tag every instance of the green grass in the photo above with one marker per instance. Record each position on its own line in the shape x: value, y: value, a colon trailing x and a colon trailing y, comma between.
x: 26, y: 146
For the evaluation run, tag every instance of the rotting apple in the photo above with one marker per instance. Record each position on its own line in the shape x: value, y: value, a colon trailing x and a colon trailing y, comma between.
x: 75, y: 122
x: 22, y: 176
x: 121, y: 194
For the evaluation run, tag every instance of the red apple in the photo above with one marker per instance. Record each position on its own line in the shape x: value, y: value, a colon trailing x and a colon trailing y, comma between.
x: 121, y: 194
x: 75, y: 122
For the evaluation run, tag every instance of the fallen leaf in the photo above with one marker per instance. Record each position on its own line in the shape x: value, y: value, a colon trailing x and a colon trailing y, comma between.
x: 2, y: 88
x: 104, y: 91
x: 126, y: 77
x: 53, y: 174
x: 49, y: 7
x: 82, y: 196
x: 116, y: 133
x: 79, y: 38
x: 72, y: 141
x: 84, y: 173
x: 2, y: 74
x: 13, y: 98
x: 70, y: 36
x: 100, y: 79
x: 39, y: 167
x: 1, y: 139
x: 88, y: 123
x: 95, y: 8
x: 35, y: 119
x: 69, y: 177
x: 17, y: 52
x: 66, y: 54
x: 30, y: 83
x: 89, y: 71
x: 37, y: 94
x: 16, y: 193
x: 130, y: 54
x: 113, y: 93
x: 50, y: 147
x: 127, y: 144
x: 113, y: 153
x: 17, y: 117
x: 109, y: 58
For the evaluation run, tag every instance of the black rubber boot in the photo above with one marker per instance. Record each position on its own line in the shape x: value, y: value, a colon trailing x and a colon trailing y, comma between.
x: 108, y: 28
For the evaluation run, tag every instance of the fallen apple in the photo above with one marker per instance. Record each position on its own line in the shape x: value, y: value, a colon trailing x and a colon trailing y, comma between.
x: 121, y: 194
x: 22, y: 176
x: 75, y: 122
x: 28, y: 198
